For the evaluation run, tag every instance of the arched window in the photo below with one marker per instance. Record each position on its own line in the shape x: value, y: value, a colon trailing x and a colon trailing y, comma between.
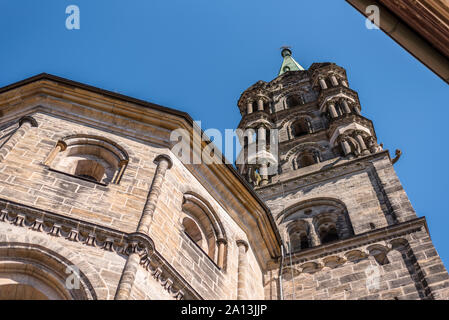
x: 29, y: 272
x: 319, y: 221
x: 194, y: 232
x: 326, y: 227
x: 298, y: 232
x: 90, y: 158
x: 339, y: 108
x: 202, y: 226
x: 301, y: 127
x: 329, y: 235
x: 294, y: 100
x: 307, y: 158
x: 266, y: 106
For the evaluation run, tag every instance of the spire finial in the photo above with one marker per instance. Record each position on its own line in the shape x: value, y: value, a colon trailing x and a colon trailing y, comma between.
x: 289, y: 64
x: 286, y: 51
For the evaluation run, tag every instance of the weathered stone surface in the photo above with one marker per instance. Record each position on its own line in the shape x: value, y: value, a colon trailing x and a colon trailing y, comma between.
x: 81, y: 187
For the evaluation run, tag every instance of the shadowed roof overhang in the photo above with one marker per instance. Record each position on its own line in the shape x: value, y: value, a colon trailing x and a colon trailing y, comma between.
x: 420, y: 27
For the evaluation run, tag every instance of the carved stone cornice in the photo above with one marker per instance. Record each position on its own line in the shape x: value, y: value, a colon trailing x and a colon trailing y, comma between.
x: 254, y: 117
x: 348, y: 119
x: 330, y: 169
x: 302, y: 147
x: 102, y: 238
x: 318, y: 69
x: 288, y: 79
x: 356, y: 242
x: 337, y: 92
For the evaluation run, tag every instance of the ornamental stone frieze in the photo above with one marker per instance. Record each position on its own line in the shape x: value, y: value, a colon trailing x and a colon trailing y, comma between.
x: 101, y: 238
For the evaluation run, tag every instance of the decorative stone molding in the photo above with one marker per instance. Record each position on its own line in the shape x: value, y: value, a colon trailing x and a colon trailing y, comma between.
x: 301, y: 148
x: 292, y: 181
x: 292, y: 117
x: 163, y: 163
x: 361, y: 242
x: 25, y: 123
x: 100, y: 237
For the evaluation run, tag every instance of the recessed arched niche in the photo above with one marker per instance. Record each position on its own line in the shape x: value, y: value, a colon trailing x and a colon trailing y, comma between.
x: 89, y: 157
x: 31, y: 273
x: 202, y: 226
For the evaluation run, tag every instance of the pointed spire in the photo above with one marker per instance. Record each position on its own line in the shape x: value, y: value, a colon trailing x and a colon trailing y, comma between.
x: 289, y: 64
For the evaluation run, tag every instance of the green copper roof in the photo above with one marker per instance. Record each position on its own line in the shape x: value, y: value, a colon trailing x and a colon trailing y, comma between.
x: 289, y: 64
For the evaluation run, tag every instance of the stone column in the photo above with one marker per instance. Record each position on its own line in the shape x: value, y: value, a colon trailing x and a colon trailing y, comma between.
x: 249, y: 107
x: 242, y: 269
x: 346, y: 148
x: 261, y: 134
x: 309, y: 126
x: 334, y: 80
x: 346, y: 106
x: 332, y: 110
x: 314, y: 238
x: 323, y: 84
x: 290, y: 132
x: 260, y: 105
x: 119, y: 172
x: 129, y: 271
x: 344, y: 83
x: 25, y: 123
x: 221, y: 243
x: 163, y: 163
x: 128, y: 276
x: 264, y: 173
x: 362, y: 144
x: 60, y: 146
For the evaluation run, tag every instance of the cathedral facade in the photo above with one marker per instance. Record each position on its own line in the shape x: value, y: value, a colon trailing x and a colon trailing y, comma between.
x: 95, y: 204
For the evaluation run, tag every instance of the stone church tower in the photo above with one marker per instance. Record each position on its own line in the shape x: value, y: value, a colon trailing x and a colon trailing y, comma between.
x: 96, y: 203
x: 347, y: 225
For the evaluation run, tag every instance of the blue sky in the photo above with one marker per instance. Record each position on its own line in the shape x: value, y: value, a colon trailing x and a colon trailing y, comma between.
x: 198, y: 56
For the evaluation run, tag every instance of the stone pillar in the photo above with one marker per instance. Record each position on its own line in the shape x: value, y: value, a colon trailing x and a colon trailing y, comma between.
x: 249, y: 135
x: 249, y: 107
x: 316, y: 157
x: 332, y: 110
x: 25, y: 123
x: 334, y: 80
x: 313, y: 236
x: 221, y: 243
x: 309, y: 126
x: 346, y: 106
x: 163, y: 163
x: 346, y: 148
x: 323, y: 84
x: 344, y: 83
x: 242, y: 269
x: 264, y: 173
x: 362, y: 144
x: 261, y: 134
x: 290, y: 132
x: 260, y: 105
x: 129, y: 271
x: 119, y: 172
x: 128, y: 276
x: 60, y: 146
